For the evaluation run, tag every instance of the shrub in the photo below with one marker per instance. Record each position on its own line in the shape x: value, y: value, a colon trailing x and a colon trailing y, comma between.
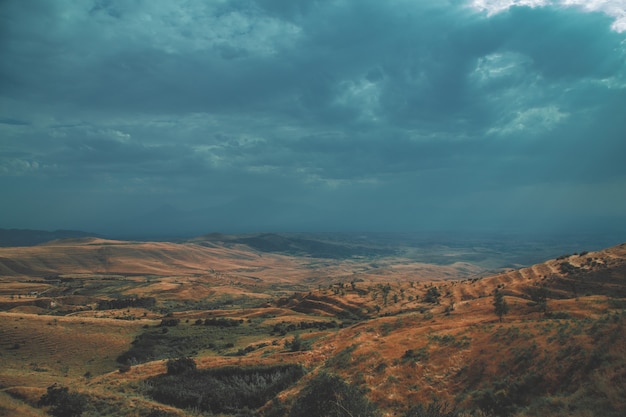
x: 505, y: 396
x: 432, y: 295
x: 160, y: 413
x: 434, y: 409
x: 180, y: 366
x: 501, y: 307
x: 223, y: 322
x: 147, y: 302
x: 559, y: 315
x: 62, y: 402
x: 343, y: 359
x: 539, y: 298
x: 124, y: 368
x: 169, y: 322
x: 330, y: 396
x: 416, y: 355
x: 297, y: 344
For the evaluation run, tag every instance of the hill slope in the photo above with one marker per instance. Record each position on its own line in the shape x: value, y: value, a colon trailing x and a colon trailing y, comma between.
x: 234, y: 256
x: 26, y: 237
x: 404, y: 340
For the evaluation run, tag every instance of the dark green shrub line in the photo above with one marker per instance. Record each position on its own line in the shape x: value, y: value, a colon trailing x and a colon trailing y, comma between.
x: 146, y: 302
x: 283, y: 328
x: 223, y: 390
x: 222, y: 322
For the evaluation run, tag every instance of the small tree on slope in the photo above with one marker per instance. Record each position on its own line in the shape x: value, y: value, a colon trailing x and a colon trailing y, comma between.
x: 501, y: 307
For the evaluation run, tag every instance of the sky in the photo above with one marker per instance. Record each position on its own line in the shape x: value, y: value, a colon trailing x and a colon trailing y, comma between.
x: 189, y: 117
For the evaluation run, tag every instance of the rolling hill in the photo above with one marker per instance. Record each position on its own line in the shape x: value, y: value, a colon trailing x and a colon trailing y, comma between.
x: 27, y: 237
x: 103, y: 317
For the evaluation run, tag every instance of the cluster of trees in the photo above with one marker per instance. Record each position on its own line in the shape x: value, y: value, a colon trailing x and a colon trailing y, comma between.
x: 62, y: 402
x: 153, y: 345
x: 228, y: 390
x: 138, y: 302
x: 506, y: 396
x: 567, y: 268
x: 432, y: 295
x: 297, y: 344
x: 538, y: 298
x: 241, y: 390
x: 283, y: 328
x: 180, y: 366
x: 169, y: 322
x: 221, y: 322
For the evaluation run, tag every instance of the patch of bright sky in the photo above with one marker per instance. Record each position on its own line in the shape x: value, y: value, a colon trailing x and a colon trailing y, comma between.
x: 613, y: 8
x: 363, y: 95
x: 534, y: 120
x: 173, y: 27
x: 498, y: 66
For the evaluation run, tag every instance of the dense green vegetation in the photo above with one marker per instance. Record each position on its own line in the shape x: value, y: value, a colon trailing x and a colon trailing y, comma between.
x: 223, y: 390
x: 570, y: 377
x: 173, y: 338
x: 62, y: 402
x: 145, y: 302
x: 329, y: 395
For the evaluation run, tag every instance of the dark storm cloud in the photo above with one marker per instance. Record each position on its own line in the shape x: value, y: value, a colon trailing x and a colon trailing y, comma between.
x: 16, y: 122
x: 405, y: 110
x: 572, y: 44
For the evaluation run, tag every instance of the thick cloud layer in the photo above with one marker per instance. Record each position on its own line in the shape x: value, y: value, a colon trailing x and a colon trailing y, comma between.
x: 244, y: 115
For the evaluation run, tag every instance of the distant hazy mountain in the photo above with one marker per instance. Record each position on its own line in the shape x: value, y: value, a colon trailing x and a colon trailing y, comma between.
x: 302, y: 244
x: 245, y: 215
x: 26, y: 237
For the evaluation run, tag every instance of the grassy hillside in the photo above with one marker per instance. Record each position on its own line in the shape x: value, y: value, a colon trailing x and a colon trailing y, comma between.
x: 246, y: 317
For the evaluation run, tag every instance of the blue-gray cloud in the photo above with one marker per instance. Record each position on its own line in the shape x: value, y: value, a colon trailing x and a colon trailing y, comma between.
x: 320, y: 114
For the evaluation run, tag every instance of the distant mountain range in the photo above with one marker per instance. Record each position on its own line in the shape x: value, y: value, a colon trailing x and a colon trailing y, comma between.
x: 25, y: 237
x: 314, y: 245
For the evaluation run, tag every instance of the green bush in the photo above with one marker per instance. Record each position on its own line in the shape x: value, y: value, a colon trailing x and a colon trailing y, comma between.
x: 505, y: 396
x: 230, y: 390
x: 180, y: 366
x: 432, y: 295
x: 62, y: 402
x: 297, y: 344
x: 343, y: 359
x: 416, y: 355
x: 434, y: 409
x: 328, y: 395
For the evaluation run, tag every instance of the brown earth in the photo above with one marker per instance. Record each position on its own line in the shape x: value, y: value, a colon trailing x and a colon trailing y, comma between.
x: 566, y: 357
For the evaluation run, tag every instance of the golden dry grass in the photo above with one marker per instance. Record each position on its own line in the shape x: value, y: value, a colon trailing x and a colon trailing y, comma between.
x: 37, y: 350
x: 456, y: 344
x: 11, y: 407
x: 98, y: 256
